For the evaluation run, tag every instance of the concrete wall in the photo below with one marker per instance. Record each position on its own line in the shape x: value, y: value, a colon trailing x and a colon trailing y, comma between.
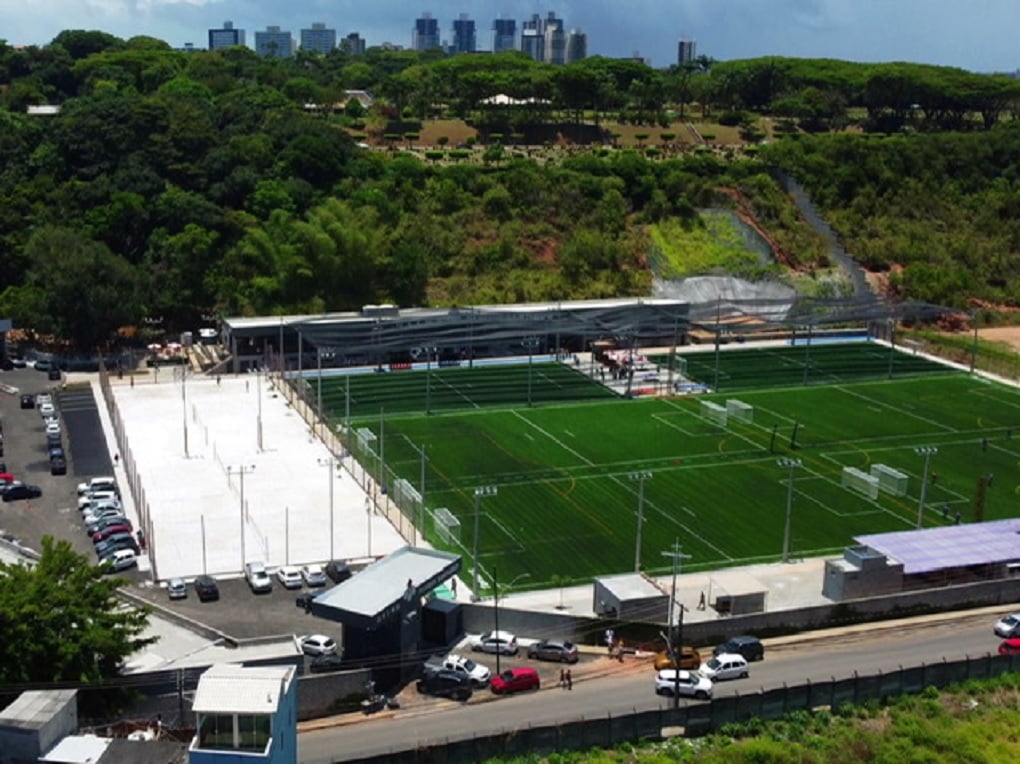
x: 324, y: 694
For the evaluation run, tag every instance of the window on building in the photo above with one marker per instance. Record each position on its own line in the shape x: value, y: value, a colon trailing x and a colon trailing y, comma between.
x: 253, y: 731
x: 216, y: 731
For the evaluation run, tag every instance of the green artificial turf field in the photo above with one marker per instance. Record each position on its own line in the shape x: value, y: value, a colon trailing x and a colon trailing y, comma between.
x: 568, y: 475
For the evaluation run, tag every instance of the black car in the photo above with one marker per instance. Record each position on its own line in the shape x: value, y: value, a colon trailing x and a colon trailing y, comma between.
x: 27, y: 401
x: 337, y: 571
x: 57, y: 452
x: 206, y: 589
x: 445, y: 684
x: 18, y: 490
x: 53, y: 373
x: 108, y: 546
x: 58, y: 465
x: 322, y: 664
x: 53, y: 440
x: 750, y: 647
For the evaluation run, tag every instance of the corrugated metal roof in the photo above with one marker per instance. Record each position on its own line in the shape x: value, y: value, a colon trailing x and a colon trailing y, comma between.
x: 950, y: 546
x: 35, y: 708
x: 631, y: 586
x: 228, y: 689
x: 77, y: 749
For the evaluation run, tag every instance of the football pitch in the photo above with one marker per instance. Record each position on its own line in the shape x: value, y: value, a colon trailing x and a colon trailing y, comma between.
x: 563, y: 480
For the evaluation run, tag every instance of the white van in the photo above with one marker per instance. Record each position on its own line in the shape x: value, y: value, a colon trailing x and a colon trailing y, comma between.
x: 122, y: 559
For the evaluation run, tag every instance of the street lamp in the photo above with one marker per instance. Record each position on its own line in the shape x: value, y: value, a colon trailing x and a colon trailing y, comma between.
x: 791, y: 465
x: 480, y: 491
x: 927, y: 452
x: 258, y: 392
x: 641, y: 477
x: 530, y: 343
x: 184, y: 407
x: 242, y: 470
x: 329, y: 462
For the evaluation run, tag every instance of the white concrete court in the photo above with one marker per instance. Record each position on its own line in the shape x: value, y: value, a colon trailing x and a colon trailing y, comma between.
x: 194, y: 495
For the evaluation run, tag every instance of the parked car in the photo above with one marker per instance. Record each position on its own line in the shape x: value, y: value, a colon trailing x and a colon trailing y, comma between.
x: 53, y: 428
x: 554, y: 650
x: 683, y: 683
x: 1010, y: 646
x: 176, y: 589
x: 338, y: 571
x: 110, y: 530
x: 318, y: 644
x: 27, y: 401
x: 102, y: 483
x: 121, y: 559
x: 750, y: 647
x: 690, y: 659
x: 96, y: 497
x: 113, y: 543
x: 445, y: 684
x: 476, y: 672
x: 206, y: 589
x: 502, y: 642
x: 53, y: 439
x: 1008, y: 626
x: 313, y: 575
x: 515, y: 680
x: 53, y: 373
x: 45, y: 407
x: 18, y: 490
x: 725, y: 666
x: 257, y: 577
x: 322, y: 664
x: 93, y: 518
x: 58, y: 465
x: 289, y: 577
x: 57, y: 452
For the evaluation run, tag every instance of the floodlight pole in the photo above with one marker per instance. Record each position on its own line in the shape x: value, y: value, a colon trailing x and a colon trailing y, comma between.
x: 258, y: 392
x: 480, y: 491
x: 927, y: 452
x: 791, y: 465
x: 242, y: 470
x: 184, y: 407
x: 329, y: 462
x: 429, y: 350
x: 640, y: 477
x: 530, y: 343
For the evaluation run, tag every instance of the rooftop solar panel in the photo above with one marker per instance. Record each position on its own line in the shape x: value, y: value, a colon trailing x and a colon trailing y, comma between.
x: 953, y: 546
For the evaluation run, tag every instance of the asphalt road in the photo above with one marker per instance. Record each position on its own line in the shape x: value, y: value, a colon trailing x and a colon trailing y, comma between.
x: 839, y: 656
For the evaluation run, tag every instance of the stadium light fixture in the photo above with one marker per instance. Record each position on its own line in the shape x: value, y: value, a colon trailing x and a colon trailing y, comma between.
x: 927, y: 452
x: 640, y: 477
x: 791, y: 465
x: 480, y: 491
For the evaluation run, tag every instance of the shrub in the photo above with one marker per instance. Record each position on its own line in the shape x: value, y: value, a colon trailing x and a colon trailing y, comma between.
x: 731, y: 118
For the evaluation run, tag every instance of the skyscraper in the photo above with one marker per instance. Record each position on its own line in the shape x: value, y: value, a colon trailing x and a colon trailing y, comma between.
x: 463, y: 35
x: 426, y: 33
x: 555, y: 40
x: 504, y: 34
x: 577, y: 46
x: 226, y: 37
x: 354, y: 44
x: 685, y: 52
x: 318, y: 39
x: 533, y: 37
x: 274, y: 43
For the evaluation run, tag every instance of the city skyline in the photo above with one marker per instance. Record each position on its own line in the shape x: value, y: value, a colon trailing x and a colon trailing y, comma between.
x: 978, y: 36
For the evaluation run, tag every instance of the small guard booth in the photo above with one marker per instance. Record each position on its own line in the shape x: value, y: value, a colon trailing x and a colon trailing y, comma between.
x: 381, y: 610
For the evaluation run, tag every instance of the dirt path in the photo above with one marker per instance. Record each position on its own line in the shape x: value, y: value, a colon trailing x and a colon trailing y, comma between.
x: 1010, y: 334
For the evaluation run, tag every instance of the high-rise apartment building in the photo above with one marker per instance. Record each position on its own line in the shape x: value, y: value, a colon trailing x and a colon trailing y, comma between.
x: 685, y: 52
x: 533, y: 37
x: 504, y: 35
x: 354, y: 44
x: 426, y: 33
x: 318, y: 39
x: 464, y: 40
x: 274, y: 43
x: 577, y: 46
x: 225, y: 37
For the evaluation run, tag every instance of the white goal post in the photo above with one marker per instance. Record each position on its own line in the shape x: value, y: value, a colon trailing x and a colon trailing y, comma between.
x: 447, y: 526
x: 713, y: 412
x: 890, y: 481
x: 857, y: 480
x: 740, y: 411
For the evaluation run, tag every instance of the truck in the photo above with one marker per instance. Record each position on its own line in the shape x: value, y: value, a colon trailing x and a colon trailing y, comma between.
x: 477, y: 673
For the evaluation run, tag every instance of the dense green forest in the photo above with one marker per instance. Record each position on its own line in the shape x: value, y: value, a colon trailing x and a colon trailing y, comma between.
x: 176, y: 185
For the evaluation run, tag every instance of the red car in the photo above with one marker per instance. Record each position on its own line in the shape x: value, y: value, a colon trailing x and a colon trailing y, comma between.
x: 1010, y: 647
x: 109, y: 531
x: 515, y: 680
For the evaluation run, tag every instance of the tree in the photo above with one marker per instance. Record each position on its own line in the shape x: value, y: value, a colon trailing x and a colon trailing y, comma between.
x: 63, y: 621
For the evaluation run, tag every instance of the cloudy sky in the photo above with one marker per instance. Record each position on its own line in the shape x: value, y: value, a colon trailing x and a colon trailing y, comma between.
x: 981, y: 35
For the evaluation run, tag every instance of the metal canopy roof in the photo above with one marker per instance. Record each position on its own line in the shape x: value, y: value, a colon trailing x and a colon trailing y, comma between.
x: 386, y: 588
x: 951, y: 546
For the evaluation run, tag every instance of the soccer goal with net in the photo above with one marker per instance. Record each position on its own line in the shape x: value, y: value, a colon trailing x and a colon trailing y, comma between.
x: 861, y: 482
x: 447, y: 526
x: 713, y: 412
x: 890, y: 481
x: 740, y: 411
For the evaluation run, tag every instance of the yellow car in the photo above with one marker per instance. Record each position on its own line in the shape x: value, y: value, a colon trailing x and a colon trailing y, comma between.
x: 690, y: 659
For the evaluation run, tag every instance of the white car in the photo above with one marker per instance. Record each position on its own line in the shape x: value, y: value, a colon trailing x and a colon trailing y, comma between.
x: 52, y: 427
x: 725, y: 666
x: 46, y: 409
x: 289, y: 577
x: 684, y: 683
x: 105, y: 483
x: 258, y: 578
x: 502, y: 642
x: 314, y: 575
x: 1008, y: 626
x: 122, y: 559
x: 93, y: 499
x: 318, y: 644
x: 177, y: 589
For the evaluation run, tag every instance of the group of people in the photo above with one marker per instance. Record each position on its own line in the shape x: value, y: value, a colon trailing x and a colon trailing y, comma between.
x: 566, y: 679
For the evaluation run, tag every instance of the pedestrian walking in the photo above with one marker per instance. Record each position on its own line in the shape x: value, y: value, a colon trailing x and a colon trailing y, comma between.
x: 991, y: 479
x: 945, y: 512
x: 701, y: 601
x: 610, y: 640
x: 570, y: 680
x: 958, y: 517
x: 984, y: 444
x: 563, y: 677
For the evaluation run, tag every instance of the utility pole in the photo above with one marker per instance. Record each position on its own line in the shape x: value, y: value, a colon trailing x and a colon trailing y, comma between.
x: 791, y: 465
x: 927, y: 452
x: 640, y: 477
x: 677, y: 646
